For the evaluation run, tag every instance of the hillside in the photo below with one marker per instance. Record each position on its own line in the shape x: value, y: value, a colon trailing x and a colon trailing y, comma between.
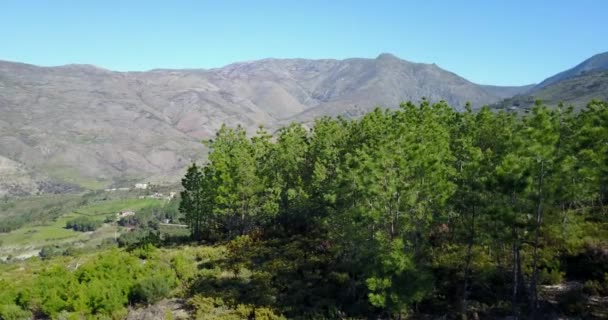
x: 81, y: 125
x: 394, y: 205
x: 576, y: 87
x: 576, y: 91
x: 16, y: 179
x: 504, y: 92
x: 598, y: 62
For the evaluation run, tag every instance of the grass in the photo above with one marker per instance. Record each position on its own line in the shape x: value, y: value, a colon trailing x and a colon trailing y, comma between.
x: 20, y: 206
x: 69, y: 175
x: 102, y: 209
x: 54, y: 232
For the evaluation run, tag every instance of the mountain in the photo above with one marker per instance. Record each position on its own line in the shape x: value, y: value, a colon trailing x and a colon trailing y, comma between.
x: 576, y: 91
x: 576, y: 86
x: 504, y: 92
x: 81, y: 125
x: 16, y: 179
x: 598, y: 62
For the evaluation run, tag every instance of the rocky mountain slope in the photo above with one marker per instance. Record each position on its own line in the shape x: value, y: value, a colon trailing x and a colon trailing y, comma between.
x: 598, y: 62
x: 91, y: 127
x: 576, y: 86
x: 507, y: 92
x: 576, y: 91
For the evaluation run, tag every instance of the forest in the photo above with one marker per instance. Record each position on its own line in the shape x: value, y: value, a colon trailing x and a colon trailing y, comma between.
x: 418, y: 212
x: 413, y: 211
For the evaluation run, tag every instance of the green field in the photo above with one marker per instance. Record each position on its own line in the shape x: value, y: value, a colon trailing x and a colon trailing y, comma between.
x: 34, y: 235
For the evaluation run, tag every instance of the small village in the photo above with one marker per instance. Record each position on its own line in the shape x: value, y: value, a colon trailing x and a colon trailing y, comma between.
x: 145, y: 186
x: 156, y: 195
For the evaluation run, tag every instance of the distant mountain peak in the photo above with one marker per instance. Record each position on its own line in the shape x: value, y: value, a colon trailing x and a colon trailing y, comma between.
x: 82, y: 66
x: 387, y: 56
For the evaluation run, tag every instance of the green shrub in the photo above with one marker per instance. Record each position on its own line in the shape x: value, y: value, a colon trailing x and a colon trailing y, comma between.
x: 138, y: 237
x: 202, y: 305
x: 592, y: 287
x: 13, y: 312
x: 168, y: 314
x: 108, y: 243
x: 266, y: 314
x: 83, y: 224
x: 100, y: 288
x: 185, y: 269
x: 145, y: 251
x: 596, y: 287
x: 48, y: 252
x: 208, y: 308
x: 551, y: 277
x: 150, y: 290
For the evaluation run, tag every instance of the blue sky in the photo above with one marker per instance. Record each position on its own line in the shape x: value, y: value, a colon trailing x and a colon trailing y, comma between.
x: 491, y: 42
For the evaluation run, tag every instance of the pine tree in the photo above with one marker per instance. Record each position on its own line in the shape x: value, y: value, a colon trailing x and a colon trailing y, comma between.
x: 192, y: 200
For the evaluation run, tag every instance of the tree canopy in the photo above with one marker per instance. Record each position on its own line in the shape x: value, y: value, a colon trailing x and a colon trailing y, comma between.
x: 398, y: 199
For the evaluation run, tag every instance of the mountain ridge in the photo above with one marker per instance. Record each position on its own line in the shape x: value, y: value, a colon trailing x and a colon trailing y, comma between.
x: 598, y: 62
x: 80, y: 124
x: 576, y: 86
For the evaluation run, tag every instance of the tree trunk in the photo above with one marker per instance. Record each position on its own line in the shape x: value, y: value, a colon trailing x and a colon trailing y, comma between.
x: 515, y: 284
x: 539, y: 215
x: 518, y: 278
x: 465, y: 289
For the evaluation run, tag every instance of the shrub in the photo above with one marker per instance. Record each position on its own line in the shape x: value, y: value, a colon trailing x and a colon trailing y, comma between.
x: 70, y: 251
x: 208, y: 308
x: 13, y: 312
x: 596, y: 287
x: 592, y: 287
x: 551, y: 277
x: 108, y: 243
x: 202, y: 305
x: 48, y: 252
x: 266, y: 314
x: 185, y: 269
x: 150, y: 290
x: 138, y: 237
x: 83, y: 224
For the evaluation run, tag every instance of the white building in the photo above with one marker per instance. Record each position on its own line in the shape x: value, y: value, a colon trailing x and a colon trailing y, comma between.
x: 143, y: 186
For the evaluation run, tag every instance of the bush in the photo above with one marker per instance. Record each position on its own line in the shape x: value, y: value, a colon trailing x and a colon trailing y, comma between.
x: 150, y: 290
x: 185, y: 269
x: 551, y: 277
x: 83, y: 224
x: 129, y: 221
x: 13, y: 312
x: 130, y: 238
x: 48, y: 252
x: 138, y: 238
x: 208, y: 308
x: 266, y: 314
x: 592, y: 287
x: 596, y: 287
x: 70, y: 251
x: 108, y: 243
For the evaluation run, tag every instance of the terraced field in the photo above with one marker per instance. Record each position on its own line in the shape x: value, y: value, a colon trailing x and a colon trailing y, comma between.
x: 29, y: 239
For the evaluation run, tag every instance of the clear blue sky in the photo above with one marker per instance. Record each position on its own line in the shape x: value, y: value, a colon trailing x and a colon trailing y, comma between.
x: 487, y: 41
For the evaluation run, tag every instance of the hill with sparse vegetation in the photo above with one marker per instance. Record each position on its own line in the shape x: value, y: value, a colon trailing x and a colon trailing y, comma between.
x: 418, y: 212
